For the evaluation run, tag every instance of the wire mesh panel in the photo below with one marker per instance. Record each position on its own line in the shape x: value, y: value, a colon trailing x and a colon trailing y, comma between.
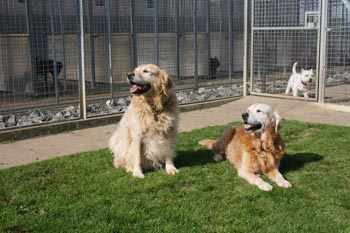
x: 284, y: 33
x: 53, y: 50
x: 202, y: 39
x: 337, y: 82
x: 48, y: 46
x: 63, y: 50
x: 15, y: 69
x: 97, y: 39
x: 166, y: 40
x: 218, y: 28
x: 67, y: 47
x: 186, y: 39
x: 146, y: 15
x: 38, y: 78
x: 221, y: 63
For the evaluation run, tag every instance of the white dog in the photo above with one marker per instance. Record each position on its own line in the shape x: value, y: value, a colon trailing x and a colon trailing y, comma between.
x: 300, y: 82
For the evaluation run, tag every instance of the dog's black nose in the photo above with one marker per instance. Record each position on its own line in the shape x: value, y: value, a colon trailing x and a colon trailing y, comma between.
x: 130, y: 75
x: 245, y: 117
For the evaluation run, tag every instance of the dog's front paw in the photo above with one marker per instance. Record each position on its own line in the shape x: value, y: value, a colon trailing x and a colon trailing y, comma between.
x: 171, y: 169
x: 138, y: 173
x: 128, y: 168
x: 218, y: 157
x: 265, y: 186
x: 118, y: 163
x: 284, y: 184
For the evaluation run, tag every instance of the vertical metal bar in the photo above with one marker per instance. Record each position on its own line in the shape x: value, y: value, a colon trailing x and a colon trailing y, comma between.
x: 8, y: 52
x: 82, y: 91
x: 229, y: 12
x: 63, y: 46
x: 110, y: 52
x: 207, y: 13
x: 156, y: 33
x: 251, y: 47
x: 342, y: 32
x: 34, y: 76
x: 245, y: 55
x: 195, y: 45
x: 284, y: 53
x: 320, y: 94
x: 177, y: 31
x: 133, y: 33
x: 92, y: 46
x: 52, y: 22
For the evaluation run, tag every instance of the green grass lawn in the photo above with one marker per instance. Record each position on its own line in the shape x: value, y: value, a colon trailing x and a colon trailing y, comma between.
x: 84, y: 193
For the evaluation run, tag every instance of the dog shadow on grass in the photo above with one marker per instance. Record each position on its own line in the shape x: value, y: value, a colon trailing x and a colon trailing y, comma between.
x: 194, y: 158
x: 290, y: 162
x: 293, y: 162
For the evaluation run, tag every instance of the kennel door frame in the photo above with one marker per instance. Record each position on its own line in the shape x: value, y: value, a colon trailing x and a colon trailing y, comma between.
x: 321, y: 32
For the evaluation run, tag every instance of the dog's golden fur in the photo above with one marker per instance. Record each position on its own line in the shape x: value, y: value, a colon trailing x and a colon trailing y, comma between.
x: 146, y: 135
x: 253, y: 152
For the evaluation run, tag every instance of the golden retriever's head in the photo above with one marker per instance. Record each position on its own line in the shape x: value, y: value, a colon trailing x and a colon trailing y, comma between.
x: 259, y: 117
x: 149, y: 80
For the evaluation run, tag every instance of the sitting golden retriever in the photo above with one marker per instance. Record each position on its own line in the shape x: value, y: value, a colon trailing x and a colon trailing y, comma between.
x: 146, y: 135
x: 255, y: 148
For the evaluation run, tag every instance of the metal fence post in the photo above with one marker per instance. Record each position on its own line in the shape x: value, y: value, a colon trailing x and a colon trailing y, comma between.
x: 177, y: 39
x: 251, y: 47
x: 52, y: 22
x: 207, y: 12
x: 92, y: 45
x: 133, y: 33
x: 82, y: 90
x: 110, y: 61
x: 156, y: 34
x: 322, y: 53
x: 63, y: 44
x: 9, y: 67
x: 245, y: 56
x: 34, y: 76
x: 195, y: 45
x: 229, y: 12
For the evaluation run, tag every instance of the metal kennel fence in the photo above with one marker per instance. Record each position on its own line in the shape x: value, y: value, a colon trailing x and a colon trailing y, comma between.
x: 63, y: 59
x: 337, y: 57
x: 313, y: 33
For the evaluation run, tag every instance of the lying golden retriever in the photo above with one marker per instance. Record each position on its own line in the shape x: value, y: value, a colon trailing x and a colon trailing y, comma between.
x: 146, y: 135
x: 255, y: 148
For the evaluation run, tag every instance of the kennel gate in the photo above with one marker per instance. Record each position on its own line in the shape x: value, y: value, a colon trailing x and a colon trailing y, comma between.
x: 282, y: 33
x: 316, y: 34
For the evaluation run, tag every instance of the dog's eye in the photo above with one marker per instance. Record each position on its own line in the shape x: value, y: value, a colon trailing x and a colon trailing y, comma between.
x: 258, y: 110
x: 145, y: 71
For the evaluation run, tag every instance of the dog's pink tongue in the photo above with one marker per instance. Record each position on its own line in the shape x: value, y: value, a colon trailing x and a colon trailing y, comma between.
x: 134, y: 88
x: 247, y: 126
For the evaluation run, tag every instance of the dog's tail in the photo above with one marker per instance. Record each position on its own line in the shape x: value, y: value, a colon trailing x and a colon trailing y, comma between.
x: 294, y: 70
x: 208, y: 143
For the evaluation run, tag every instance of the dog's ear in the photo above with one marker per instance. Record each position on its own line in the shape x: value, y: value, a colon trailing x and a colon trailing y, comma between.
x: 277, y: 119
x: 166, y: 83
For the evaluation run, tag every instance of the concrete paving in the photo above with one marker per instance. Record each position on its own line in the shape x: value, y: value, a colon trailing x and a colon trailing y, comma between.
x: 48, y: 147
